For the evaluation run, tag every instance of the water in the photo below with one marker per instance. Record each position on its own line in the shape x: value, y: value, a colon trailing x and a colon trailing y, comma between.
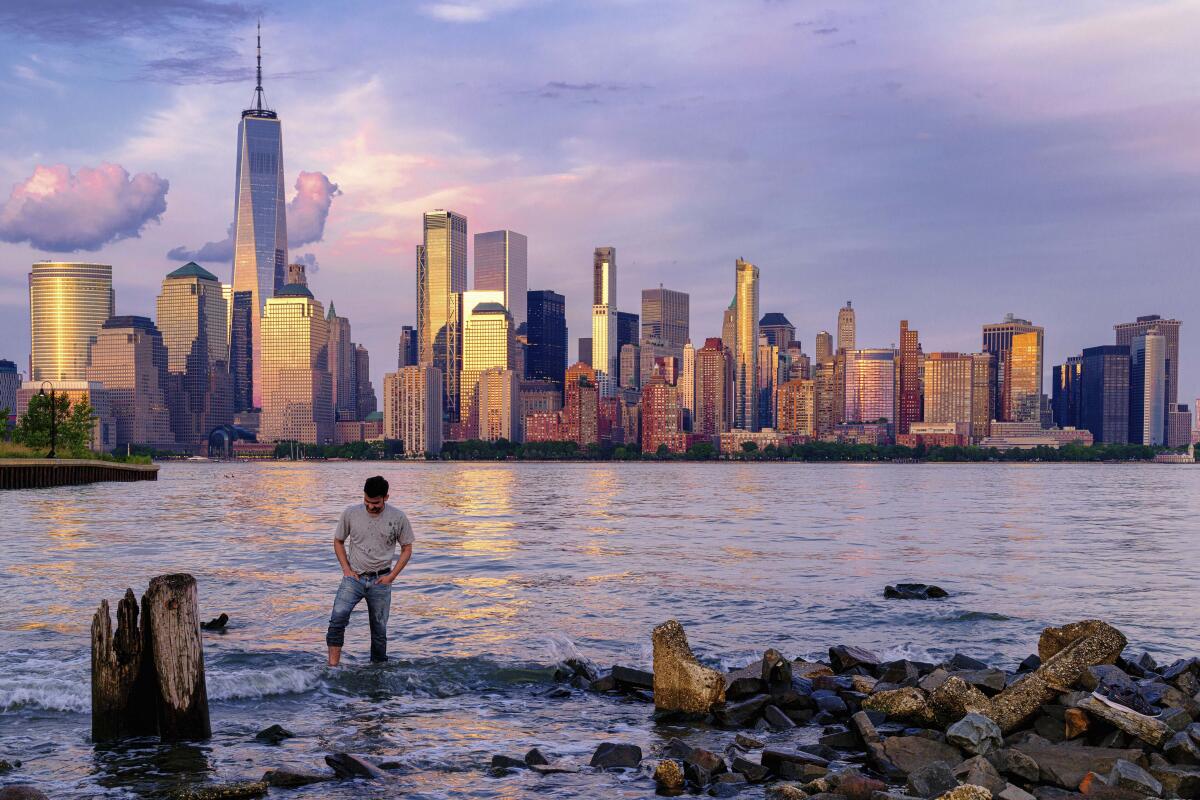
x: 517, y: 566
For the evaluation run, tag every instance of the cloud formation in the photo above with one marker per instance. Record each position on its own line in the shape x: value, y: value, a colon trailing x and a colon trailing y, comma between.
x: 471, y: 10
x: 306, y: 215
x: 60, y: 211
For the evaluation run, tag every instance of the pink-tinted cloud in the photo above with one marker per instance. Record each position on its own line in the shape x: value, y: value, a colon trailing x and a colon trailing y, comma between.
x: 60, y: 211
x: 306, y: 215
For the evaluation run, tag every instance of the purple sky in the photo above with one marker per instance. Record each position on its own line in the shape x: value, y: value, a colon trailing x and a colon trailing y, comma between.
x: 940, y: 162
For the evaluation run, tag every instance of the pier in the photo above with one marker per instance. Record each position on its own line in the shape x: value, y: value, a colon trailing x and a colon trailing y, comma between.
x: 40, y: 473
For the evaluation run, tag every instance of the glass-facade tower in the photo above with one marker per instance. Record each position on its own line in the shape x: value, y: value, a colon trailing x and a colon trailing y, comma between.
x: 745, y: 356
x: 547, y: 332
x: 441, y: 280
x: 68, y: 302
x: 502, y: 262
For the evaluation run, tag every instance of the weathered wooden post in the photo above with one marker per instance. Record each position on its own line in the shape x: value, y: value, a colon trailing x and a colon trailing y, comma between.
x: 123, y: 691
x: 173, y: 628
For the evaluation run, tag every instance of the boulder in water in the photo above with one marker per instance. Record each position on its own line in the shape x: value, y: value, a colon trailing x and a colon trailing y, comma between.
x: 216, y: 624
x: 274, y: 734
x: 681, y: 683
x: 610, y: 755
x: 534, y: 756
x: 915, y: 591
x: 628, y: 678
x: 22, y: 791
x: 292, y: 779
x: 911, y: 753
x: 346, y: 765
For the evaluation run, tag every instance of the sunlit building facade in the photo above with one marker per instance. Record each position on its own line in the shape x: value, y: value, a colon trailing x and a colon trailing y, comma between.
x: 498, y: 405
x: 798, y: 408
x: 662, y: 417
x: 104, y: 430
x: 770, y: 370
x: 711, y: 389
x: 847, y: 336
x: 949, y: 384
x: 68, y: 302
x: 870, y: 385
x: 687, y: 385
x: 824, y: 347
x: 1024, y: 378
x: 983, y: 387
x: 1147, y: 389
x: 908, y: 379
x: 745, y: 357
x: 1169, y: 330
x: 502, y: 262
x: 297, y: 392
x: 825, y: 415
x: 441, y: 280
x: 487, y: 344
x: 631, y: 366
x: 412, y: 408
x: 604, y: 311
x: 129, y: 360
x: 666, y: 316
x: 581, y: 405
x: 1009, y: 399
x: 342, y: 366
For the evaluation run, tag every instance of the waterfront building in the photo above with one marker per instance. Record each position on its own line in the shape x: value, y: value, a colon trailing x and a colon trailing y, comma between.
x: 949, y: 389
x: 1028, y: 435
x: 502, y: 263
x: 745, y: 363
x: 259, y: 219
x: 343, y: 367
x: 368, y: 429
x: 662, y: 417
x: 192, y: 320
x: 824, y: 347
x: 711, y: 389
x: 1096, y: 384
x: 547, y: 332
x: 1017, y: 382
x: 778, y: 330
x: 870, y: 385
x: 732, y: 442
x: 10, y: 382
x: 872, y: 433
x: 631, y: 366
x: 545, y: 426
x: 983, y: 382
x: 1148, y: 388
x: 825, y: 415
x: 1169, y: 330
x: 297, y: 392
x: 908, y: 379
x: 364, y: 392
x: 538, y: 396
x: 441, y: 281
x: 104, y: 430
x: 935, y: 434
x: 1065, y: 392
x: 487, y: 344
x: 769, y: 370
x: 129, y: 359
x: 687, y: 385
x: 798, y: 407
x: 666, y: 316
x: 497, y: 405
x: 1179, y: 426
x: 412, y: 408
x: 68, y: 302
x: 407, y: 355
x: 847, y: 337
x: 581, y: 399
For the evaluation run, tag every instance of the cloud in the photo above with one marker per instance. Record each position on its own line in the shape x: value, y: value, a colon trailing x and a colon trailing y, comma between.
x: 67, y: 21
x: 62, y: 212
x: 309, y: 261
x: 306, y: 215
x: 471, y: 10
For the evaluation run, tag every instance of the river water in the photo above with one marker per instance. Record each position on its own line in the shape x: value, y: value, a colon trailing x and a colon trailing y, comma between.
x: 519, y: 565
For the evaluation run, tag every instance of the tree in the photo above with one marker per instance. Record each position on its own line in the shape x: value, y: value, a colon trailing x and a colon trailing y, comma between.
x: 74, y: 424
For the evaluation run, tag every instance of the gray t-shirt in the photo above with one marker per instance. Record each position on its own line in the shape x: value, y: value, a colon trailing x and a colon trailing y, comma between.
x: 371, y: 539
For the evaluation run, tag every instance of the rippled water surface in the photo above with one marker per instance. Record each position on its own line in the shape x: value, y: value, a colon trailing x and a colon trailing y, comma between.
x: 517, y: 566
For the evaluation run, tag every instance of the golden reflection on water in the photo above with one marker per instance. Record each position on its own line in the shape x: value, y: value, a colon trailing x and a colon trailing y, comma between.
x: 480, y: 498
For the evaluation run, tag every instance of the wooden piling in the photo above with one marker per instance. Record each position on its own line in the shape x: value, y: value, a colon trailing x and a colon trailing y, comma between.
x: 123, y: 690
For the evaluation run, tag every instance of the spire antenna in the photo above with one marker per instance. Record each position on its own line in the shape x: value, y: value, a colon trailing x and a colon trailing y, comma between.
x: 258, y: 89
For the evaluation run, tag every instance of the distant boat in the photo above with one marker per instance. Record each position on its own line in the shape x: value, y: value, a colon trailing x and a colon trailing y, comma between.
x: 199, y: 458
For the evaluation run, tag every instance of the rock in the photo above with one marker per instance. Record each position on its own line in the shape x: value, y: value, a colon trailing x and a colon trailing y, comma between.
x: 292, y: 779
x: 786, y: 791
x: 606, y: 683
x: 841, y: 740
x: 1016, y: 764
x: 914, y: 591
x: 910, y: 753
x: 809, y: 669
x: 668, y: 776
x: 1106, y: 678
x: 677, y: 749
x: 1181, y: 666
x: 748, y: 742
x: 1065, y: 765
x: 1173, y: 698
x: 967, y: 792
x: 908, y: 703
x: 987, y: 680
x: 830, y: 703
x: 1065, y: 655
x: 1176, y: 719
x: 503, y: 762
x: 1128, y: 775
x: 554, y: 768
x: 978, y: 771
x: 786, y: 763
x: 1030, y: 663
x: 225, y: 791
x: 630, y: 678
x: 902, y: 673
x: 776, y: 672
x: 274, y: 734
x: 535, y: 756
x: 755, y: 773
x: 1148, y: 729
x: 610, y: 755
x: 954, y: 699
x: 975, y: 734
x: 216, y: 624
x: 960, y: 662
x: 1075, y: 723
x: 8, y: 766
x: 1011, y: 792
x: 681, y: 683
x: 861, y: 723
x: 933, y: 680
x: 777, y: 719
x: 1054, y: 793
x: 346, y: 765
x: 845, y: 657
x: 727, y: 785
x: 745, y: 682
x: 1178, y: 781
x: 931, y: 780
x: 856, y: 786
x: 707, y: 760
x: 742, y: 713
x: 1182, y: 749
x: 22, y: 791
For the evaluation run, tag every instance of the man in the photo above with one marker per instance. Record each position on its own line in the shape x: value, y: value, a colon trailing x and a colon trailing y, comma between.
x: 365, y: 543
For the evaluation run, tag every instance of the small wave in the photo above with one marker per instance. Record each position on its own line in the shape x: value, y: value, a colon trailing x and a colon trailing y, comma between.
x: 977, y: 616
x: 250, y: 683
x: 559, y: 648
x: 907, y: 651
x: 51, y: 694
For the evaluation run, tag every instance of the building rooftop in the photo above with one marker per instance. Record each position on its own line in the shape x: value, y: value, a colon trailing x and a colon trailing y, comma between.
x: 294, y: 290
x: 129, y: 321
x: 7, y: 366
x: 489, y: 308
x: 192, y: 270
x: 773, y: 318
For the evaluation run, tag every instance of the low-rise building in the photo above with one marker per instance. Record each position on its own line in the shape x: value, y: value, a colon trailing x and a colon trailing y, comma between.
x: 1028, y: 435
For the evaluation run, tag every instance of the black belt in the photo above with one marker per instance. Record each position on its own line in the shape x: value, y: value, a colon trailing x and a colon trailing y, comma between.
x: 383, y: 571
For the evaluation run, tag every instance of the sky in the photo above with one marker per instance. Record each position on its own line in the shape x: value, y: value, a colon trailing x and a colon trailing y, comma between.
x: 944, y: 163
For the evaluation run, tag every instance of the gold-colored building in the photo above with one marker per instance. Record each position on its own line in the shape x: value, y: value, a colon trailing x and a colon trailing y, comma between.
x: 847, y: 337
x: 826, y: 402
x: 441, y: 280
x: 498, y: 405
x: 412, y: 408
x: 487, y: 343
x: 798, y: 407
x: 297, y: 388
x: 1024, y: 378
x: 129, y: 359
x: 948, y: 387
x: 745, y: 356
x: 68, y: 302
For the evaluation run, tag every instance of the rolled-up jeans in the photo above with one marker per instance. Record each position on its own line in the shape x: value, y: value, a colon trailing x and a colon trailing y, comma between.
x: 379, y: 603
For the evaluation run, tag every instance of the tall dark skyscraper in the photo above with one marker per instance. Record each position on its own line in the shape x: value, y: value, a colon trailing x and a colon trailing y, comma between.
x: 1066, y: 394
x: 241, y: 350
x: 1127, y: 332
x: 407, y: 356
x: 908, y: 379
x: 259, y: 216
x: 547, y: 333
x: 628, y: 332
x: 1104, y: 393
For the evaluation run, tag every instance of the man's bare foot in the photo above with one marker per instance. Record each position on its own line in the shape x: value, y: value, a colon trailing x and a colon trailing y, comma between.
x: 335, y: 656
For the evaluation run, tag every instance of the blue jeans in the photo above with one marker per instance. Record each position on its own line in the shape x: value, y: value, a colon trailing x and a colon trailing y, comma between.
x: 379, y: 603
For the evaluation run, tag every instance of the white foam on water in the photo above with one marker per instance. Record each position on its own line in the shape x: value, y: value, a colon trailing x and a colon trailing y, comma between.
x: 250, y: 683
x: 559, y: 647
x: 51, y: 684
x: 908, y: 651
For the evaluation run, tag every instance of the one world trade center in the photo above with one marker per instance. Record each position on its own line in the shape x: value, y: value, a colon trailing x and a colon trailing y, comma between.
x: 260, y: 240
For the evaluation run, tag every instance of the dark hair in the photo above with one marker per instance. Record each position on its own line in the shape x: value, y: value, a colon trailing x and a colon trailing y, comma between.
x: 375, y: 487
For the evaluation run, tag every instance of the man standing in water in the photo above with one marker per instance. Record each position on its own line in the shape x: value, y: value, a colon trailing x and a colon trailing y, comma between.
x: 365, y: 543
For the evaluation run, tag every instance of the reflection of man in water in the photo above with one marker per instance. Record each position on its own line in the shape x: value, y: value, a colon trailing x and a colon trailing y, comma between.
x: 365, y: 542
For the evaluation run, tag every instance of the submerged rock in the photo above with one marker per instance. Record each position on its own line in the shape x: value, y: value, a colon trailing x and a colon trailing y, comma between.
x: 914, y: 591
x: 610, y: 755
x: 216, y: 624
x: 502, y: 762
x: 629, y: 678
x: 274, y: 734
x: 22, y: 791
x: 534, y: 756
x: 226, y: 791
x: 292, y: 779
x: 347, y: 765
x: 681, y: 683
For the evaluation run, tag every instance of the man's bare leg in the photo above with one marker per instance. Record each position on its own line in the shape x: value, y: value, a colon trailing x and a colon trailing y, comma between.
x: 335, y: 656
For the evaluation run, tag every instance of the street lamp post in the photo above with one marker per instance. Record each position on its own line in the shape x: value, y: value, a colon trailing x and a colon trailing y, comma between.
x: 53, y: 417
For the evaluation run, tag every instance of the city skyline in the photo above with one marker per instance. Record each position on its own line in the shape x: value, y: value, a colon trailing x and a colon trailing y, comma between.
x: 986, y: 257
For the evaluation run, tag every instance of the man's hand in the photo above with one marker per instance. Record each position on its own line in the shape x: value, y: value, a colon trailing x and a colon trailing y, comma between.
x: 349, y: 573
x: 387, y: 580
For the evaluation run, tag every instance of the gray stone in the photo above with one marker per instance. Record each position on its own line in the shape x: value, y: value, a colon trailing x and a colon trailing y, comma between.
x: 292, y: 779
x: 755, y: 773
x: 748, y: 742
x: 1178, y: 781
x: 1176, y: 719
x: 611, y: 755
x: 783, y: 761
x: 535, y: 756
x: 22, y: 792
x: 1127, y: 775
x: 845, y: 657
x: 861, y: 722
x: 975, y: 734
x: 978, y: 771
x: 1016, y: 764
x: 274, y: 734
x: 910, y: 753
x: 224, y: 791
x: 346, y: 765
x: 1055, y: 793
x: 931, y: 780
x: 630, y: 678
x: 1066, y: 764
x: 742, y: 713
x: 777, y: 719
x: 1182, y: 749
x: 989, y: 681
x: 554, y: 768
x: 914, y: 591
x: 502, y: 762
x: 1011, y: 792
x: 841, y: 740
x: 934, y: 679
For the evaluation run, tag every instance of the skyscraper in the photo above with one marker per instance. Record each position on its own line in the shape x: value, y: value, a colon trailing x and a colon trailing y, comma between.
x: 547, y: 333
x: 259, y: 216
x: 604, y: 313
x: 297, y: 393
x: 10, y: 382
x: 584, y: 349
x: 68, y: 302
x: 241, y: 350
x: 870, y: 385
x: 581, y: 405
x: 778, y: 330
x: 1066, y: 389
x: 487, y: 344
x: 192, y: 321
x: 665, y: 316
x: 502, y: 262
x: 846, y: 336
x: 129, y: 358
x: 628, y: 332
x: 364, y: 392
x: 770, y: 376
x: 604, y: 277
x: 908, y: 375
x: 412, y: 408
x: 497, y: 405
x: 1147, y: 389
x: 745, y: 363
x: 825, y: 415
x: 824, y: 347
x: 1104, y: 393
x: 631, y: 366
x: 662, y: 417
x: 441, y: 280
x: 797, y: 407
x: 998, y: 340
x: 1169, y: 330
x: 407, y: 355
x: 1024, y: 377
x: 983, y: 402
x: 948, y: 388
x: 687, y: 385
x: 342, y: 367
x: 729, y: 326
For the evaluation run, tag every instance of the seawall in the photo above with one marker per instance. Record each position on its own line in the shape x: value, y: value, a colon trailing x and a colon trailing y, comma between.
x: 40, y: 473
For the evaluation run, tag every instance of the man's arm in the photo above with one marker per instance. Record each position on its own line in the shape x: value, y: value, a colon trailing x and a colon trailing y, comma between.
x: 339, y: 548
x: 405, y: 555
